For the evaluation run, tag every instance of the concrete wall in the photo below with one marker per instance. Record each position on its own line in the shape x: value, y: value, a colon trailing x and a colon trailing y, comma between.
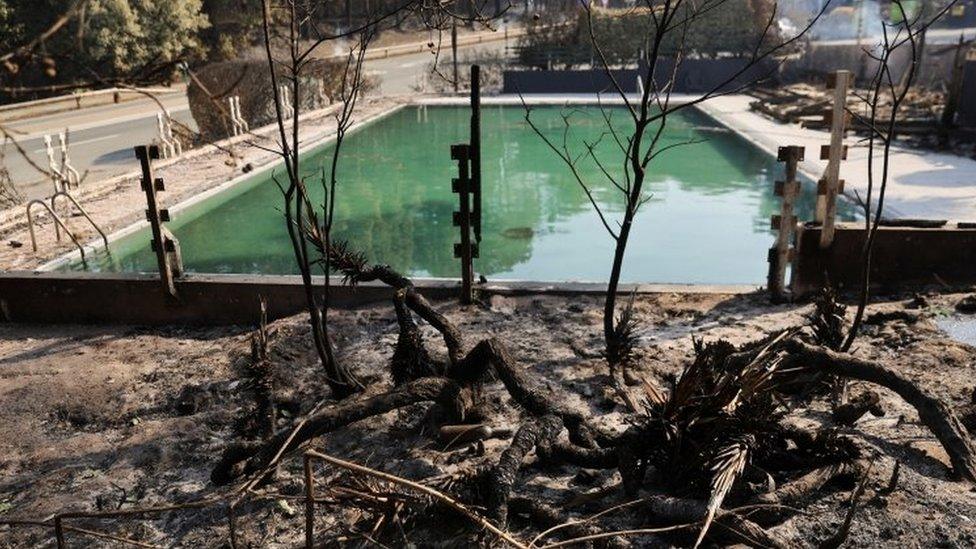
x: 98, y: 298
x: 903, y: 257
x: 211, y: 299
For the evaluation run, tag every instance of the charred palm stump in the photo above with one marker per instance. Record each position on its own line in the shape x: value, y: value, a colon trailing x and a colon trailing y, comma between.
x: 261, y: 371
x: 242, y: 460
x: 410, y: 358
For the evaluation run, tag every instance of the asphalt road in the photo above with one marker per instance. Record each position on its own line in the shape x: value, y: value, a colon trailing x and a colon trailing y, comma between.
x: 101, y: 138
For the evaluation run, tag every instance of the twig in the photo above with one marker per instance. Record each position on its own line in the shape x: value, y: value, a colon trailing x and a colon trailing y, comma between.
x: 439, y: 496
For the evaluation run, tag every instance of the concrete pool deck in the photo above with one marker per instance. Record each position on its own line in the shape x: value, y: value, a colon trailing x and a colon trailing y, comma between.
x: 923, y: 184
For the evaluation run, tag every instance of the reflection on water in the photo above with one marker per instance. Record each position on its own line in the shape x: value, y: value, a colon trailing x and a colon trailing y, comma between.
x: 706, y: 221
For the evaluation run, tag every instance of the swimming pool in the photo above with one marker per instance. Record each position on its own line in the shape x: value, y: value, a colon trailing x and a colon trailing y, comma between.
x: 707, y: 219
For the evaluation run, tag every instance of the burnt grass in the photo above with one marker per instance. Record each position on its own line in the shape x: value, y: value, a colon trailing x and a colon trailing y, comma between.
x: 108, y: 417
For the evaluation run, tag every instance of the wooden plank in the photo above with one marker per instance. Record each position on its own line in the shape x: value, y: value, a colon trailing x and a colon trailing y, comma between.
x: 781, y: 254
x: 827, y: 202
x: 161, y: 236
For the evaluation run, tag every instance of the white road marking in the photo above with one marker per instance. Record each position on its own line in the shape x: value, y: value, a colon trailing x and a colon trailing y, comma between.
x: 106, y: 121
x: 413, y: 63
x: 72, y: 142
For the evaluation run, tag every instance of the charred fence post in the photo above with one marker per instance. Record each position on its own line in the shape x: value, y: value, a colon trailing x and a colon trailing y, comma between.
x: 831, y: 185
x: 465, y: 250
x: 164, y: 244
x: 468, y: 188
x: 476, y: 151
x: 782, y: 253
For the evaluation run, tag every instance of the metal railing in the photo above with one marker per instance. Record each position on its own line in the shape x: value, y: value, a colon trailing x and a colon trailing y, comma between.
x: 83, y: 213
x: 58, y: 223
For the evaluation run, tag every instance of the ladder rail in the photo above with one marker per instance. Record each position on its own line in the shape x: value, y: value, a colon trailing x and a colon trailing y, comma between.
x: 58, y: 222
x: 83, y: 212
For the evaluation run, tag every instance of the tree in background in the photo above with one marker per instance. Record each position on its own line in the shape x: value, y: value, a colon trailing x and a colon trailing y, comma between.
x: 50, y: 47
x: 562, y: 38
x: 234, y: 26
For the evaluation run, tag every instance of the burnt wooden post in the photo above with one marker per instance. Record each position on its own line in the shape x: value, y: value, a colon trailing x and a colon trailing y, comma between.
x: 164, y: 244
x: 476, y: 151
x: 465, y: 250
x: 782, y: 253
x: 831, y: 185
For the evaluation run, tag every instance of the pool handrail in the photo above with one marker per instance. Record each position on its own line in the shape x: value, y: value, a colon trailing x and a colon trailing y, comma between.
x: 58, y: 222
x: 83, y: 212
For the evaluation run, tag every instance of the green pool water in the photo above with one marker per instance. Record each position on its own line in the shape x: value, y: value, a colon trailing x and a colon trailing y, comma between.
x: 707, y: 220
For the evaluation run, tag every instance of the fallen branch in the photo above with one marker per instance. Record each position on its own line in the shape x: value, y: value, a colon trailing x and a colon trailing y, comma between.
x: 439, y: 496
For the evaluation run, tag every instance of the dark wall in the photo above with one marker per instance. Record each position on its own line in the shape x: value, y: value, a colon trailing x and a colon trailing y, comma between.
x: 693, y: 76
x: 577, y: 81
x: 903, y: 257
x: 967, y: 99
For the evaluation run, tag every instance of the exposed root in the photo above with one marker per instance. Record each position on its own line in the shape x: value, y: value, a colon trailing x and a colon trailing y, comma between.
x: 354, y: 267
x: 491, y: 356
x: 547, y: 516
x: 848, y: 413
x: 241, y: 461
x: 589, y: 458
x: 804, y: 486
x: 936, y: 415
x: 535, y: 431
x: 728, y: 526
